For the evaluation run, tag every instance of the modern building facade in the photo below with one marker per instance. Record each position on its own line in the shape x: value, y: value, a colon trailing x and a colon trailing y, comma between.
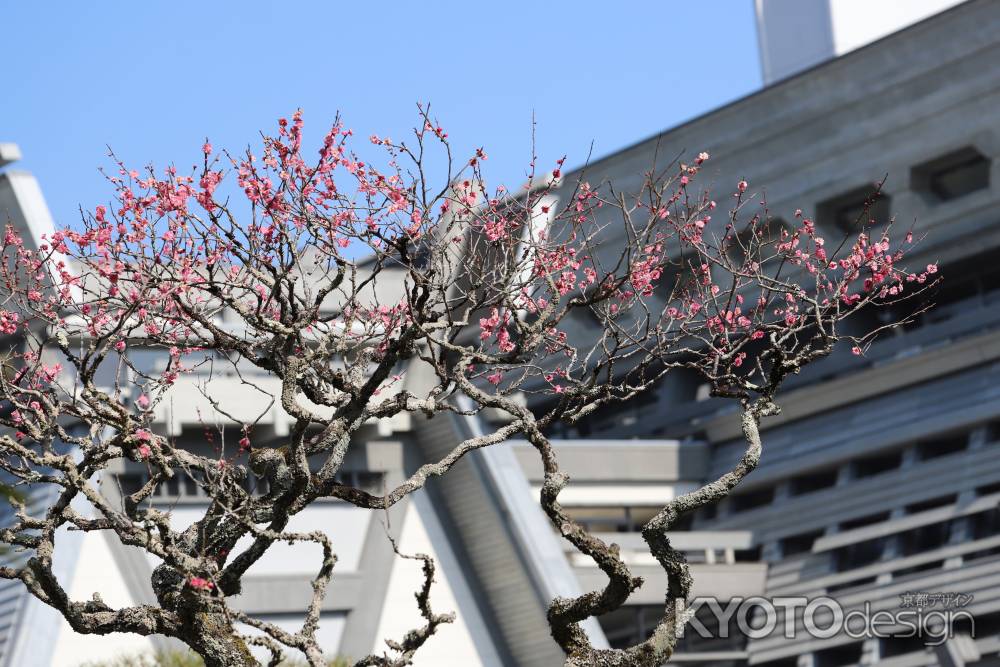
x: 879, y: 481
x: 795, y: 35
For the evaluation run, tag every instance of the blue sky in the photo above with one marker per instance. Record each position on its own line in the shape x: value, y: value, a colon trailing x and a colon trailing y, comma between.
x: 153, y: 79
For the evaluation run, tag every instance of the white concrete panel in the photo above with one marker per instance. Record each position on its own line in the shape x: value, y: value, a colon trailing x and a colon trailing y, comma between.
x: 331, y: 628
x: 21, y: 199
x: 618, y: 495
x: 345, y: 524
x: 186, y: 403
x: 463, y: 643
x: 859, y: 22
x: 97, y: 572
x: 183, y: 516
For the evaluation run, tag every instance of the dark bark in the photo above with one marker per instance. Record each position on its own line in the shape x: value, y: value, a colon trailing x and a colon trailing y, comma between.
x: 204, y: 626
x: 211, y: 636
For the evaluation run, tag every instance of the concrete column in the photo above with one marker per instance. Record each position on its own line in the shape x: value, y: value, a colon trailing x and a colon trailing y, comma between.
x: 771, y: 552
x: 845, y: 474
x: 892, y: 548
x: 870, y: 652
x: 979, y: 436
x: 377, y: 555
x: 961, y: 530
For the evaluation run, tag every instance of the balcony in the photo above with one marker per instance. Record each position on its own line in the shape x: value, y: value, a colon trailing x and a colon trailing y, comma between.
x: 978, y: 577
x: 715, y: 559
x: 187, y: 406
x: 951, y: 474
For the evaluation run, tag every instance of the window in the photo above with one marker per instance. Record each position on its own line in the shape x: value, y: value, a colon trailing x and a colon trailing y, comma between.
x: 917, y: 569
x: 931, y: 503
x: 620, y: 627
x: 971, y: 282
x: 617, y: 414
x: 752, y: 499
x: 679, y: 386
x: 366, y: 480
x: 925, y: 538
x: 619, y: 519
x: 838, y: 656
x: 861, y: 522
x: 988, y: 489
x: 172, y: 487
x: 951, y: 176
x: 982, y: 625
x: 893, y: 646
x: 980, y: 554
x: 944, y: 446
x: 632, y: 624
x: 721, y: 637
x: 129, y: 483
x: 752, y: 555
x: 781, y: 662
x: 986, y: 524
x: 854, y: 210
x: 876, y: 465
x: 993, y: 432
x: 186, y: 486
x: 813, y: 481
x: 798, y: 544
x: 853, y: 556
x: 849, y: 585
x: 181, y: 485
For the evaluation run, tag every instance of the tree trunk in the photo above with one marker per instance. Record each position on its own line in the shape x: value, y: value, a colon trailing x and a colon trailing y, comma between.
x: 206, y: 630
x: 213, y: 638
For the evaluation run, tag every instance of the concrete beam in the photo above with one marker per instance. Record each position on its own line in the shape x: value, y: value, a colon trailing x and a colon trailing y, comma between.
x: 694, y: 540
x: 617, y: 460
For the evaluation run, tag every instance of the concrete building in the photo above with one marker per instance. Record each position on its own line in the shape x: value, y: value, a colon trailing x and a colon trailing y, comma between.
x: 795, y: 35
x: 880, y: 479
